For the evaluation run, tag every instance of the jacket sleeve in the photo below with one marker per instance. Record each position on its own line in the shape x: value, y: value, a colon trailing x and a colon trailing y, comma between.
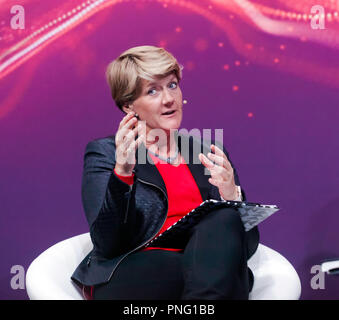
x: 105, y: 199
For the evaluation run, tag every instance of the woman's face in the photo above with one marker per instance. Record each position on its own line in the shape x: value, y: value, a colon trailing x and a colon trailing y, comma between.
x: 160, y: 104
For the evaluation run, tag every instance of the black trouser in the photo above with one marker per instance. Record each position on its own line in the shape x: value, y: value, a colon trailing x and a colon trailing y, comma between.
x: 213, y: 266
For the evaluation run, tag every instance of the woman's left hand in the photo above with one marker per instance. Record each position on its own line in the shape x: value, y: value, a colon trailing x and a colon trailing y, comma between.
x: 221, y: 173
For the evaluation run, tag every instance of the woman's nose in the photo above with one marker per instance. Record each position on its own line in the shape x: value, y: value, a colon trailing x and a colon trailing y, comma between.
x: 167, y: 97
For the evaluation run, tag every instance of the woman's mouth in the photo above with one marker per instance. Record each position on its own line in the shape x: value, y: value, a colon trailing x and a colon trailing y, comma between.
x: 168, y: 113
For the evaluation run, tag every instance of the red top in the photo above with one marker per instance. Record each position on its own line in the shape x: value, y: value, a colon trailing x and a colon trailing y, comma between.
x: 182, y: 192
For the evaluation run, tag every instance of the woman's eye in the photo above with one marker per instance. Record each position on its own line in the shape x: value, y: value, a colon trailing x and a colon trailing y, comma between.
x: 173, y: 85
x: 151, y: 91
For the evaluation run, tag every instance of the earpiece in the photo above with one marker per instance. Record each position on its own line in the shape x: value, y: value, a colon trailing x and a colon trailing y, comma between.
x: 131, y: 108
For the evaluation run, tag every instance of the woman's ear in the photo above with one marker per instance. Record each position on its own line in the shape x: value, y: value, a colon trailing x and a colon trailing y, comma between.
x: 127, y: 108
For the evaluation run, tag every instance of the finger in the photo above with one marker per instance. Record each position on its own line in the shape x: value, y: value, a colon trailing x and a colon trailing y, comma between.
x: 130, y: 123
x: 125, y: 130
x: 127, y: 147
x: 140, y: 140
x: 220, y: 161
x: 126, y: 118
x: 205, y: 161
x: 136, y: 143
x: 131, y: 150
x: 221, y: 170
x: 130, y: 137
x: 218, y: 151
x: 215, y: 182
x: 221, y: 153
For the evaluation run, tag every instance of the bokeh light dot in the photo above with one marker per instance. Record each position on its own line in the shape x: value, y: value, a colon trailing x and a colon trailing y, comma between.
x: 189, y: 65
x: 162, y: 43
x: 200, y: 44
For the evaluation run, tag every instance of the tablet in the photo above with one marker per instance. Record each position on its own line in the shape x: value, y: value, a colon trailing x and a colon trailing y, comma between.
x: 177, y: 235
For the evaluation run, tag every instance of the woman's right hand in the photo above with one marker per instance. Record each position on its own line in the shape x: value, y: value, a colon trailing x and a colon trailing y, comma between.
x: 126, y: 144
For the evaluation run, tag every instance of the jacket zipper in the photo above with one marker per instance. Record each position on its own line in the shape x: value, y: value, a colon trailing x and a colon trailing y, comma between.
x: 137, y: 248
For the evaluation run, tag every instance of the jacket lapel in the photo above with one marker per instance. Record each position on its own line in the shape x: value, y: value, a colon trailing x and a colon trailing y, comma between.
x: 189, y: 148
x: 146, y: 170
x: 191, y: 158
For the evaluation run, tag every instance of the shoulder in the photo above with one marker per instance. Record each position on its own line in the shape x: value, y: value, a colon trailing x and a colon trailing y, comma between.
x: 104, y: 145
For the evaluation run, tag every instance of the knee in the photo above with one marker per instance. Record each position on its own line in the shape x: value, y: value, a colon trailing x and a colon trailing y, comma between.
x: 228, y: 216
x: 225, y: 218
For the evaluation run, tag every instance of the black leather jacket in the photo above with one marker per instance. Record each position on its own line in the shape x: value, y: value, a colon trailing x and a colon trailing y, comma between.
x: 123, y: 219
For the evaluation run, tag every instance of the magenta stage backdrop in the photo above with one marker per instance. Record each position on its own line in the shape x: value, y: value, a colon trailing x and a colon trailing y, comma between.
x: 266, y: 72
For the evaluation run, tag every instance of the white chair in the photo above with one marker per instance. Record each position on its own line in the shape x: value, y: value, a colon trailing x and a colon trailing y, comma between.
x: 48, y: 276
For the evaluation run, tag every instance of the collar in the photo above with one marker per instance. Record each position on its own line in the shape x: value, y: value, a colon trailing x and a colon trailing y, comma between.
x: 189, y: 148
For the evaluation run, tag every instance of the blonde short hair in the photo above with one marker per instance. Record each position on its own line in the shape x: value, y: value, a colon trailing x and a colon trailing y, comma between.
x: 124, y: 74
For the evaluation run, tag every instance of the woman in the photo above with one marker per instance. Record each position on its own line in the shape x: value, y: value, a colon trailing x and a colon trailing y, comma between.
x: 129, y: 198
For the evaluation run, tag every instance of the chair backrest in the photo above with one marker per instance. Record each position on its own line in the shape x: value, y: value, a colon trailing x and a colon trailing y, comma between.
x: 48, y: 276
x: 274, y: 276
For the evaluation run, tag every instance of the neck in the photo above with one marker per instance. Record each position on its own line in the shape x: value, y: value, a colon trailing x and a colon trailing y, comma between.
x: 164, y: 145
